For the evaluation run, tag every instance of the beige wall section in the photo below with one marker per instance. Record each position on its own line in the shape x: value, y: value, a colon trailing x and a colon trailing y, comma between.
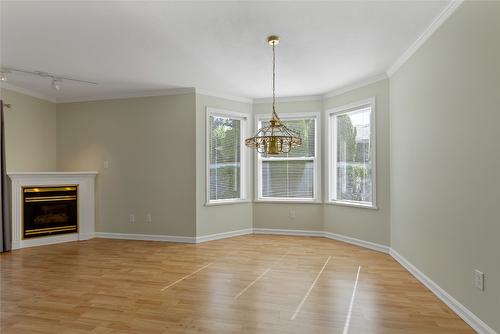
x: 308, y: 217
x: 30, y: 133
x: 228, y: 217
x: 149, y: 144
x: 361, y: 223
x: 445, y: 157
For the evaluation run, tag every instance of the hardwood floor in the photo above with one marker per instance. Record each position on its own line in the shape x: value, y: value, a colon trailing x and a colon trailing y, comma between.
x: 247, y: 284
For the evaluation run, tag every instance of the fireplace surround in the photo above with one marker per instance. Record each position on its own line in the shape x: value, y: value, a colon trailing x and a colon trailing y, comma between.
x: 52, y: 207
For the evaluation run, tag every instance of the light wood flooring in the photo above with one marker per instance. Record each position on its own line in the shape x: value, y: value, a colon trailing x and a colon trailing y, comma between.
x: 247, y: 284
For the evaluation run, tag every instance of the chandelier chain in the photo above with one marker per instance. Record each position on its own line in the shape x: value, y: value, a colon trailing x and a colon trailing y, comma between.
x: 274, y: 80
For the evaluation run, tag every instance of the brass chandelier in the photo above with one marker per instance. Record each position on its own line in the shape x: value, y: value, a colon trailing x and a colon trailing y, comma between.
x: 276, y: 137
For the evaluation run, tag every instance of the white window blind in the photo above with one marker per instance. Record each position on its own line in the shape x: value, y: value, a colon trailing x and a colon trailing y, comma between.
x: 224, y: 157
x: 352, y: 155
x: 293, y: 175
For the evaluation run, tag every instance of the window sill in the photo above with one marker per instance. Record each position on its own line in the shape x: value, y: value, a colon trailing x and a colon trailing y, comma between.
x: 353, y: 204
x: 229, y: 201
x: 287, y: 201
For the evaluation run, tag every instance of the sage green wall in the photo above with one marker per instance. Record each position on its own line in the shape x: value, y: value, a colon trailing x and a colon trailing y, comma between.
x: 308, y: 216
x: 361, y: 223
x: 30, y: 133
x: 149, y: 144
x: 445, y: 157
x: 219, y: 218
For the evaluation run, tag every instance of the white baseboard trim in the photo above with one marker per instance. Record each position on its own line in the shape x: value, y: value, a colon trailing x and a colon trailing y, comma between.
x: 223, y: 235
x: 145, y: 237
x: 50, y: 240
x: 302, y: 233
x: 329, y: 235
x: 463, y: 312
x: 358, y: 242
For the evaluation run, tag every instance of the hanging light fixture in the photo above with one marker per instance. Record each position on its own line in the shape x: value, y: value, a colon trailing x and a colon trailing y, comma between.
x: 274, y: 138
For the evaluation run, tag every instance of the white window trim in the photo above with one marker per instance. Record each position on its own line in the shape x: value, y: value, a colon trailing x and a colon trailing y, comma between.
x: 331, y: 153
x: 243, y: 156
x: 317, y: 161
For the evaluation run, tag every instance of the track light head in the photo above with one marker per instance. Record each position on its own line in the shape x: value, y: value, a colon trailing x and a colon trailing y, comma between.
x: 3, y: 76
x: 56, y: 84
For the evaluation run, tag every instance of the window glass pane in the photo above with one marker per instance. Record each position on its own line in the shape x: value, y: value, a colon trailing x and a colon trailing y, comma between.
x: 354, y: 163
x: 287, y: 179
x: 224, y: 154
x: 307, y: 131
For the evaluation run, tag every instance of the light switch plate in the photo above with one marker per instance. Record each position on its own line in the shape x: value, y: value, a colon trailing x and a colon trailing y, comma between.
x: 479, y: 279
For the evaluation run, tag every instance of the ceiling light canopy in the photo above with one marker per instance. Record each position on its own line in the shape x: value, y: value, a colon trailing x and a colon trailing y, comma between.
x: 275, y: 137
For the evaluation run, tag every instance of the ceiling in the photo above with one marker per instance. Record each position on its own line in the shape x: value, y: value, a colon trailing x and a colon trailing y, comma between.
x: 220, y: 47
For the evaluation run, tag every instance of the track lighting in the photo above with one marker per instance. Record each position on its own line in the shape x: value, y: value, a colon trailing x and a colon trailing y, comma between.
x: 56, y: 79
x: 56, y: 84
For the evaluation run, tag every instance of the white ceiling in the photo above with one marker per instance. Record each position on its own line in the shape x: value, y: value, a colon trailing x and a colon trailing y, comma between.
x: 134, y: 47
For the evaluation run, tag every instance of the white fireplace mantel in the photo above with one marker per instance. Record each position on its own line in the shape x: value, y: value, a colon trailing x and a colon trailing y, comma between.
x: 86, y: 204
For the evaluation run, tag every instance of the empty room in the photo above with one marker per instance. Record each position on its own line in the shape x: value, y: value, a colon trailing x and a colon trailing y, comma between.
x: 250, y: 167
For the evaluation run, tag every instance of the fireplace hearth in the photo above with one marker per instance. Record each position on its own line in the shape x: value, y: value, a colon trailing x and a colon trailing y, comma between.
x: 49, y: 210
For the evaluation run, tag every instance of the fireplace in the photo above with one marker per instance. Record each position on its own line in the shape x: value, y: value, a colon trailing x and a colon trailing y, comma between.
x: 49, y: 210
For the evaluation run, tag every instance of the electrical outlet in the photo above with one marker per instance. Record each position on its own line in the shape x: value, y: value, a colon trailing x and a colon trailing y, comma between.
x: 292, y: 214
x: 148, y: 218
x: 479, y: 279
x: 131, y: 218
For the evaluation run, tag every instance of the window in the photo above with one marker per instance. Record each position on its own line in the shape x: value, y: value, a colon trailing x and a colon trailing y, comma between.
x: 291, y: 176
x: 352, y: 154
x: 225, y: 160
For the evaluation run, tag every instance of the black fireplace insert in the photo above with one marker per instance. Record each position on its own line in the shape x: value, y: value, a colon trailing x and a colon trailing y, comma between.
x: 50, y: 211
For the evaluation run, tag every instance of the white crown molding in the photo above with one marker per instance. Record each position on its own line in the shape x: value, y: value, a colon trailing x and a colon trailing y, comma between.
x: 463, y: 312
x: 438, y: 21
x: 202, y: 91
x: 29, y: 92
x: 289, y: 99
x: 355, y: 85
x: 118, y: 96
x: 335, y: 92
x: 223, y: 235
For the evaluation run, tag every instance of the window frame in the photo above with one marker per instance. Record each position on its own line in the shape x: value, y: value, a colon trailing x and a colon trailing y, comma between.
x: 316, y: 160
x: 331, y: 152
x: 243, y: 118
